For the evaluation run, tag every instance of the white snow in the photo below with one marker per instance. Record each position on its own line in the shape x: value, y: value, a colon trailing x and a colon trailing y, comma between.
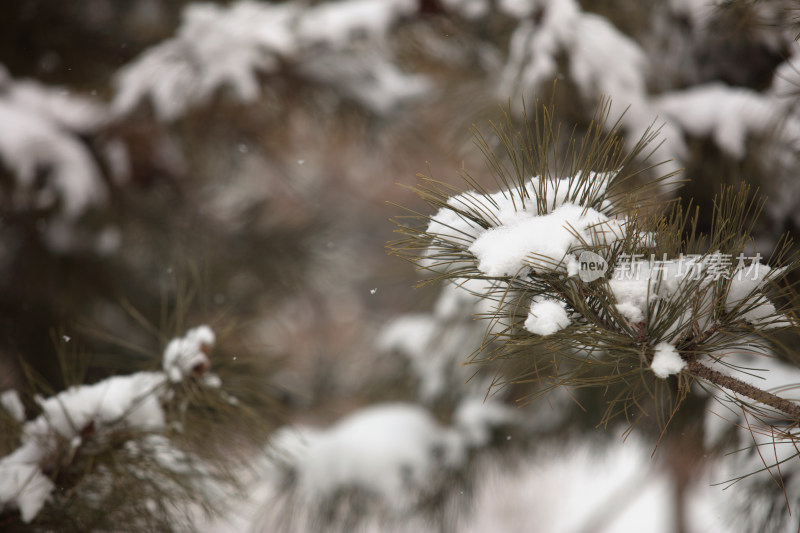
x: 576, y: 487
x: 367, y: 78
x: 22, y: 483
x: 433, y: 343
x: 216, y: 46
x: 131, y: 402
x: 70, y: 112
x: 337, y: 23
x: 666, y: 361
x: 469, y: 9
x: 520, y: 8
x: 476, y: 416
x: 30, y: 142
x: 133, y: 399
x: 747, y: 284
x: 727, y: 115
x: 519, y: 231
x: 546, y: 316
x: 636, y: 284
x: 391, y: 450
x: 183, y: 355
x: 540, y: 242
x: 228, y: 46
x: 9, y: 400
x: 602, y: 60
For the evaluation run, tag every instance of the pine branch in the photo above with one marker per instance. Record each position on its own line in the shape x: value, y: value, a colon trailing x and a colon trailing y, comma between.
x: 745, y: 389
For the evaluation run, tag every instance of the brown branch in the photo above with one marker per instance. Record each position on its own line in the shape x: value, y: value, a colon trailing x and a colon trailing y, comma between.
x: 745, y: 389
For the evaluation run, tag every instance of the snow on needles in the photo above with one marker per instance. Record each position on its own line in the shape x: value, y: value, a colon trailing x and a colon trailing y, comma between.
x: 41, y: 129
x: 189, y: 353
x: 638, y: 284
x: 229, y: 46
x: 546, y: 316
x: 666, y: 361
x: 390, y: 450
x: 397, y: 452
x: 521, y: 237
x: 130, y: 402
x: 541, y: 242
x: 11, y: 403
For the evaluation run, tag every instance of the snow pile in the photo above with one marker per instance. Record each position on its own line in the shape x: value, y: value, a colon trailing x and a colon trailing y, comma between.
x: 535, y: 45
x: 546, y: 316
x: 555, y: 38
x: 476, y: 417
x: 40, y: 133
x: 534, y: 227
x: 215, y: 46
x: 131, y: 402
x: 541, y: 242
x: 666, y: 361
x: 229, y: 46
x: 367, y: 77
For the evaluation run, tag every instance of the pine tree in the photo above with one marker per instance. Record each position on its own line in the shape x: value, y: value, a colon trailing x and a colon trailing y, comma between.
x: 164, y: 166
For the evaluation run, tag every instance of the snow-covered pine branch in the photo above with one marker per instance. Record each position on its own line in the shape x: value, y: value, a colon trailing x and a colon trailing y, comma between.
x: 88, y: 439
x: 589, y: 292
x: 338, y: 44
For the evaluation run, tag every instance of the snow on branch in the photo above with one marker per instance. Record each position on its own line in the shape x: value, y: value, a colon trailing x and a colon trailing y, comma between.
x: 629, y: 303
x: 397, y: 455
x: 87, y: 414
x: 41, y: 135
x: 221, y: 46
x: 727, y: 115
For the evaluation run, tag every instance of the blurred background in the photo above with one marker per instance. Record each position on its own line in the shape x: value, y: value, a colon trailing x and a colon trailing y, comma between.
x: 165, y: 164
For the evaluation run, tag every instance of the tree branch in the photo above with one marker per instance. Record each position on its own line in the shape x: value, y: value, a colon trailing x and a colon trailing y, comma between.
x: 745, y: 389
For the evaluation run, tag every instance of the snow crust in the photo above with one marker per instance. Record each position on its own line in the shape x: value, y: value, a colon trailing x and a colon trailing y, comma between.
x: 666, y: 361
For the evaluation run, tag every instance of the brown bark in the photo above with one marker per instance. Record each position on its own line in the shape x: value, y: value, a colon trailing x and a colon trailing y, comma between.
x: 745, y: 389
